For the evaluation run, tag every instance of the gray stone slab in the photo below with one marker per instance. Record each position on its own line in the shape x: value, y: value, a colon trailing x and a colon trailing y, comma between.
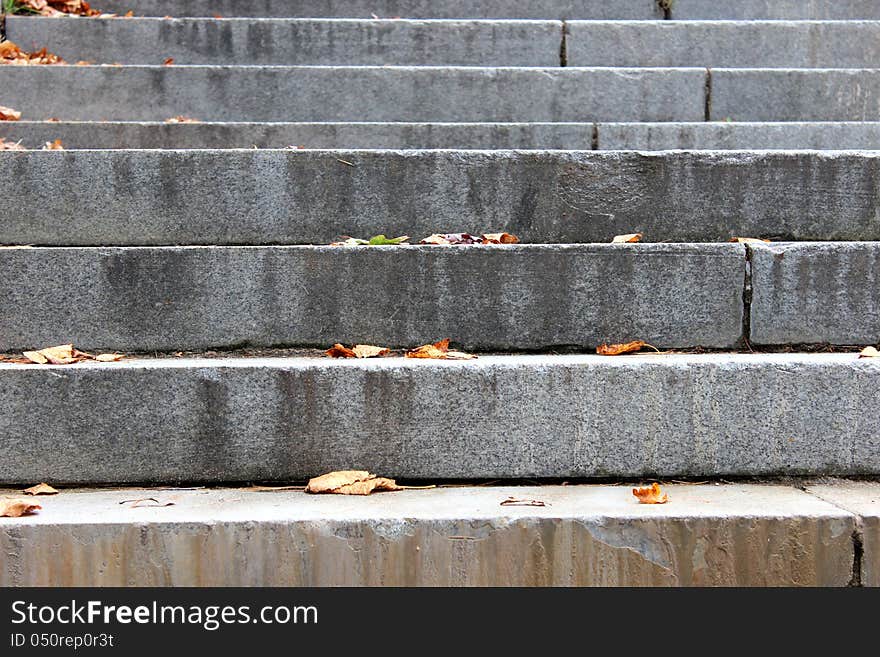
x: 722, y: 135
x: 146, y: 135
x: 287, y: 419
x: 278, y: 93
x: 98, y: 198
x: 541, y: 9
x: 511, y: 297
x: 585, y: 536
x: 816, y: 293
x: 764, y: 44
x: 795, y: 95
x: 863, y: 499
x: 293, y: 42
x: 775, y: 9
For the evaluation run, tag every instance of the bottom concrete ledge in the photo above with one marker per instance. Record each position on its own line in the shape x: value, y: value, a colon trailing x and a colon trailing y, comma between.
x: 745, y: 535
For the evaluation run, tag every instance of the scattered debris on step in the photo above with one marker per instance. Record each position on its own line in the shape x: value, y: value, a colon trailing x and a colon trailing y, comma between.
x: 438, y: 350
x: 12, y: 55
x: 354, y: 482
x: 53, y: 145
x: 65, y: 354
x: 16, y: 508
x: 55, y: 8
x: 376, y: 240
x: 9, y: 114
x: 652, y: 494
x: 11, y: 145
x: 41, y: 489
x: 513, y: 501
x: 624, y: 348
x: 144, y: 502
x: 357, y: 351
x: 454, y: 239
x: 631, y: 238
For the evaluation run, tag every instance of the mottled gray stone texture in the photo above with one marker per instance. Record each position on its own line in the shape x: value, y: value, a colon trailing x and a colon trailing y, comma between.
x: 293, y: 42
x: 508, y: 297
x: 475, y: 136
x: 724, y: 135
x: 288, y: 197
x: 863, y: 499
x: 776, y: 9
x: 733, y: 535
x: 368, y: 93
x: 557, y: 9
x: 548, y: 416
x: 816, y: 293
x: 782, y: 44
x: 795, y: 94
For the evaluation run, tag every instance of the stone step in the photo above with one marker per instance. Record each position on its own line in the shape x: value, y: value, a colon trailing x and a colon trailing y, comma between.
x: 715, y: 535
x: 775, y: 9
x: 255, y: 197
x: 534, y: 9
x: 732, y: 44
x: 213, y: 420
x: 360, y: 93
x: 459, y: 136
x: 293, y: 41
x: 505, y: 297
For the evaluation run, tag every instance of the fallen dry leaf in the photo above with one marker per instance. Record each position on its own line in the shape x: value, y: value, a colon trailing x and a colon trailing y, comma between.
x: 455, y: 239
x: 59, y: 7
x: 109, y: 358
x: 869, y: 352
x: 340, y: 351
x: 11, y: 145
x: 438, y: 350
x: 748, y: 240
x: 513, y: 501
x: 627, y: 239
x: 66, y: 354
x: 17, y: 508
x: 626, y: 348
x: 651, y: 494
x: 53, y: 146
x: 358, y: 351
x: 181, y: 119
x: 146, y: 502
x: 169, y: 61
x: 499, y: 238
x: 11, y: 54
x: 9, y: 114
x: 354, y: 482
x: 41, y: 489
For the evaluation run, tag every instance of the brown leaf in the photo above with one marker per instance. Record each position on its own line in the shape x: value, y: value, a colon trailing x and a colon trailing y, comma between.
x: 9, y: 114
x: 627, y: 239
x: 354, y: 482
x: 109, y: 358
x: 168, y: 62
x: 626, y: 348
x: 12, y: 54
x: 53, y: 146
x: 65, y: 354
x: 748, y: 240
x: 499, y: 238
x: 146, y: 502
x: 869, y: 352
x: 651, y: 494
x: 438, y: 350
x: 512, y: 501
x: 369, y: 351
x: 11, y: 145
x: 41, y: 489
x: 340, y: 351
x: 17, y: 508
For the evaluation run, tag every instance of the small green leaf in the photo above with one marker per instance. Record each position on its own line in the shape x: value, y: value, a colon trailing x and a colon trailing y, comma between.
x: 381, y: 240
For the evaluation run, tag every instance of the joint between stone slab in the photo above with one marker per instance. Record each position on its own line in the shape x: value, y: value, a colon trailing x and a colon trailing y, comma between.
x: 747, y: 300
x: 858, y: 541
x: 707, y: 111
x: 563, y: 45
x: 594, y: 138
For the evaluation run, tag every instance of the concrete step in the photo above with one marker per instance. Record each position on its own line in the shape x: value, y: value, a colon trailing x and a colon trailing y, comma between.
x: 775, y: 9
x: 293, y: 197
x: 717, y: 535
x: 753, y: 44
x: 282, y: 419
x: 367, y: 93
x: 540, y: 9
x: 294, y: 41
x: 509, y: 297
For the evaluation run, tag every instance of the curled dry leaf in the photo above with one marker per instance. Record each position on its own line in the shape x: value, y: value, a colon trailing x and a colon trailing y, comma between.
x: 632, y: 238
x: 358, y: 351
x: 455, y: 239
x: 168, y: 62
x: 57, y: 7
x: 869, y: 352
x: 66, y: 354
x: 181, y: 119
x: 354, y: 482
x: 651, y: 494
x: 376, y: 240
x: 11, y: 54
x: 146, y: 502
x: 17, y: 508
x: 513, y: 501
x: 625, y: 348
x: 53, y: 146
x: 499, y: 238
x: 9, y: 114
x: 109, y: 358
x: 41, y: 489
x: 748, y: 240
x: 438, y: 350
x: 11, y: 145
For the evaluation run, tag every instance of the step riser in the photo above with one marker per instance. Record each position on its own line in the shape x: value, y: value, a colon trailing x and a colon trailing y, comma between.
x: 775, y: 9
x: 484, y: 298
x: 586, y: 536
x: 460, y: 136
x: 497, y: 417
x: 286, y: 42
x: 94, y: 93
x: 296, y: 197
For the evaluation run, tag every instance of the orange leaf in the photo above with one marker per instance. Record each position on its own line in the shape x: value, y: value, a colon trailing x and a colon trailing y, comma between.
x: 340, y: 351
x: 169, y: 61
x: 41, y: 489
x: 499, y: 238
x: 53, y: 146
x: 651, y: 494
x: 627, y: 239
x: 9, y: 114
x: 617, y: 349
x: 17, y: 508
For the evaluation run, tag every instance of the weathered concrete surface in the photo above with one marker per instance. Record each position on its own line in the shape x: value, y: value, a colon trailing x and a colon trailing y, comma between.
x: 289, y: 197
x: 368, y: 93
x: 723, y: 135
x: 733, y: 535
x: 508, y: 297
x: 461, y: 136
x: 558, y: 9
x: 775, y: 9
x: 810, y: 293
x: 293, y: 42
x: 752, y: 44
x: 795, y: 94
x: 281, y: 419
x: 863, y: 499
